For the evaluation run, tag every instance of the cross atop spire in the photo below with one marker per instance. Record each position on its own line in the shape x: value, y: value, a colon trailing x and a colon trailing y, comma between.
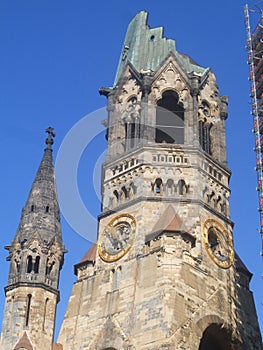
x: 49, y: 139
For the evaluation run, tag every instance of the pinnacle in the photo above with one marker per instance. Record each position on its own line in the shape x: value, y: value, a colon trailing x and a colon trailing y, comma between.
x: 41, y: 212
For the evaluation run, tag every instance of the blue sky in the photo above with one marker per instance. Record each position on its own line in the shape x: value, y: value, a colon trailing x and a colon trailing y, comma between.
x: 55, y: 55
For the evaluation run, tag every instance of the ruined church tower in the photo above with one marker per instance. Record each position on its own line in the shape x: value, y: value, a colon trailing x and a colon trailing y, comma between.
x: 36, y: 258
x: 164, y: 273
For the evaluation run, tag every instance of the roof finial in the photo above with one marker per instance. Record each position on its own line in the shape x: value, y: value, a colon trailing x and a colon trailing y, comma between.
x: 49, y: 139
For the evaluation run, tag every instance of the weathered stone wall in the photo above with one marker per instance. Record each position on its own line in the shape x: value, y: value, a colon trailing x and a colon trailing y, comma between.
x: 41, y: 317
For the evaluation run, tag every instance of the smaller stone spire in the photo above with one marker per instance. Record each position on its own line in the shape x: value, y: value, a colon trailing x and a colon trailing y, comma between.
x: 36, y: 257
x: 41, y: 212
x: 39, y: 230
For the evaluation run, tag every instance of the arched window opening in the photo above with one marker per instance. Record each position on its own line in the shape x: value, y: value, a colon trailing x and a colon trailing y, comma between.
x: 49, y: 267
x: 219, y: 204
x: 169, y: 119
x: 28, y: 305
x: 47, y: 209
x: 204, y: 135
x: 170, y: 187
x: 158, y: 186
x: 215, y: 337
x: 212, y: 199
x: 32, y: 208
x: 36, y: 264
x: 45, y: 313
x: 17, y: 265
x: 132, y: 190
x: 29, y: 264
x: 116, y: 196
x: 124, y: 194
x: 182, y: 187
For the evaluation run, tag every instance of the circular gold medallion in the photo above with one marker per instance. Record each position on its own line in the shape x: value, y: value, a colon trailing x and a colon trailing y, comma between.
x: 218, y: 243
x: 117, y: 237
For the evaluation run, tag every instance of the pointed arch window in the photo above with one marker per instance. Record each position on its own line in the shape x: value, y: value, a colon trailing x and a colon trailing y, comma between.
x: 204, y: 135
x: 116, y: 196
x: 158, y: 186
x: 49, y: 267
x: 170, y: 187
x: 169, y: 119
x: 182, y: 187
x: 36, y: 264
x: 33, y: 265
x: 124, y: 194
x: 29, y: 264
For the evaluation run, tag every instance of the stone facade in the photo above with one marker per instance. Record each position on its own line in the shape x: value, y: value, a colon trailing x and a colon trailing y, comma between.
x: 163, y: 274
x: 173, y: 282
x: 36, y: 257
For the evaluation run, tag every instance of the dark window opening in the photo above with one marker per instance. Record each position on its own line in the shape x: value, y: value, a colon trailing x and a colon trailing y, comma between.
x: 28, y: 304
x: 47, y: 209
x: 215, y: 337
x: 204, y: 136
x: 29, y: 264
x: 36, y: 264
x: 132, y: 131
x: 124, y: 194
x: 32, y: 207
x: 158, y: 186
x: 169, y: 119
x: 116, y: 194
x: 49, y: 267
x: 182, y: 188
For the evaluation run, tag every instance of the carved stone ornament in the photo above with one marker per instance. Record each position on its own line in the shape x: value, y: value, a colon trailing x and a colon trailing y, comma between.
x: 209, y: 99
x: 170, y: 79
x: 130, y: 88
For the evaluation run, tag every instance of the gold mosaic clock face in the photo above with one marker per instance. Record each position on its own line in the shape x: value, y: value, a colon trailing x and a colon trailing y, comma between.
x: 218, y: 243
x: 117, y: 238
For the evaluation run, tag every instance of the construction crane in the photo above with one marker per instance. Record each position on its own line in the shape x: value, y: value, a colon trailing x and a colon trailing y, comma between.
x: 255, y: 62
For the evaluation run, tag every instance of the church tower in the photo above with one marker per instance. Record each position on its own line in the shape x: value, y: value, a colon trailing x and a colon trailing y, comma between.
x: 163, y: 274
x: 36, y: 258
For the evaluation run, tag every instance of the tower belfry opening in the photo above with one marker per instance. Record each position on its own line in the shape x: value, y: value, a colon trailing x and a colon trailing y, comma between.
x: 169, y: 119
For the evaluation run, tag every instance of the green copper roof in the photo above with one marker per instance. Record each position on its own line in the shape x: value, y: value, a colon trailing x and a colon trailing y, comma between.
x: 145, y: 48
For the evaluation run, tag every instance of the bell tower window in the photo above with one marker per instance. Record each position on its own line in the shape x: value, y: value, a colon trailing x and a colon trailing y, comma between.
x: 36, y: 264
x: 29, y: 264
x: 158, y: 186
x: 169, y: 119
x: 204, y: 136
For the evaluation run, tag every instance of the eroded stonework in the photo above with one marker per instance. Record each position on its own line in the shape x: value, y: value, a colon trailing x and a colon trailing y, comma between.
x: 179, y: 285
